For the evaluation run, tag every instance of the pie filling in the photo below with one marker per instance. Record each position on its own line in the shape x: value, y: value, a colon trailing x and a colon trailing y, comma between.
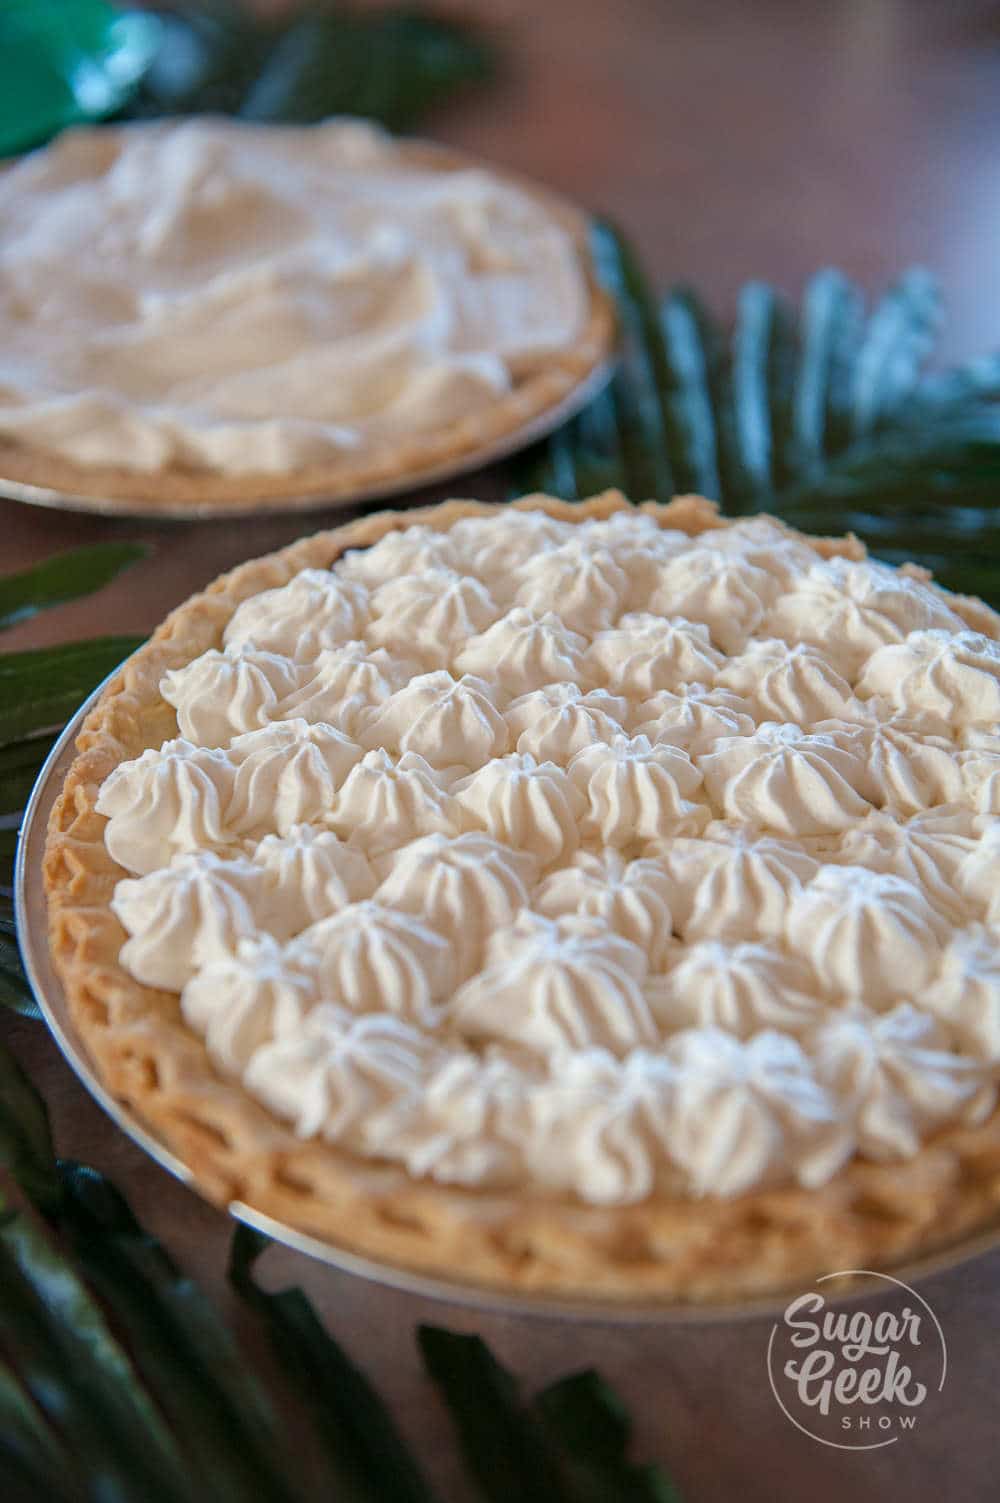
x: 587, y: 858
x: 251, y: 298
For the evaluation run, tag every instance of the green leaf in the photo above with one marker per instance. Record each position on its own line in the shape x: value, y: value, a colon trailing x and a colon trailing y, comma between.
x: 14, y: 986
x: 688, y: 396
x: 562, y: 466
x: 642, y: 374
x: 65, y: 577
x: 20, y: 764
x: 720, y: 386
x: 78, y: 1375
x: 65, y: 663
x: 368, y: 1459
x: 392, y: 66
x: 39, y: 690
x: 900, y: 336
x: 762, y: 380
x: 34, y: 1463
x: 831, y: 314
x: 935, y: 459
x: 946, y: 391
x: 590, y: 1428
x: 26, y: 1152
x: 596, y: 444
x: 826, y: 422
x: 16, y: 994
x: 502, y: 1444
x: 180, y: 1344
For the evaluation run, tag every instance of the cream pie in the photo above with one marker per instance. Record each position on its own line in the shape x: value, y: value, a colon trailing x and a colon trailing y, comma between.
x: 588, y: 899
x: 212, y: 313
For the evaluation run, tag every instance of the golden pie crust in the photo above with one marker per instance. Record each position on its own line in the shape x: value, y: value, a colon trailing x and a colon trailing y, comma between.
x: 694, y: 1250
x: 391, y: 466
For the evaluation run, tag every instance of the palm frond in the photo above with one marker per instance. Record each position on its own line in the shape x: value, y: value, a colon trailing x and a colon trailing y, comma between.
x: 392, y: 66
x: 361, y: 1444
x: 120, y: 1379
x: 826, y: 417
x: 39, y: 689
x: 67, y: 576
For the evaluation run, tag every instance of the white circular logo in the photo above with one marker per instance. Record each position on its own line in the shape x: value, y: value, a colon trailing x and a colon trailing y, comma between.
x: 857, y: 1379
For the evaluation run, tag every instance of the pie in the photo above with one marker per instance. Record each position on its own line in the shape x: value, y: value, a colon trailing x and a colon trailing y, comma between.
x: 572, y: 899
x: 211, y: 314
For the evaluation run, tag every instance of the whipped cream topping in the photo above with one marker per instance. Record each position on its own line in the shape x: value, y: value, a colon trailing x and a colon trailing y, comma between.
x: 532, y: 806
x: 255, y: 298
x: 589, y: 859
x: 551, y: 724
x: 588, y: 584
x: 953, y: 674
x: 693, y: 718
x: 315, y: 610
x: 553, y: 984
x: 742, y: 988
x: 895, y: 1079
x: 860, y: 609
x: 449, y: 722
x: 430, y: 614
x: 793, y: 684
x: 632, y: 898
x: 728, y: 595
x: 793, y: 781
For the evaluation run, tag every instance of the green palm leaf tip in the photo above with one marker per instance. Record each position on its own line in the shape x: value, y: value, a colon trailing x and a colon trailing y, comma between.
x: 322, y: 60
x: 762, y: 377
x: 39, y: 690
x: 830, y: 331
x: 65, y: 577
x: 825, y: 417
x: 365, y: 1453
x: 586, y: 1420
x: 206, y: 1389
x: 954, y: 391
x: 568, y: 1445
x: 688, y: 397
x: 67, y: 1385
x: 120, y: 1382
x: 900, y: 336
x: 640, y: 383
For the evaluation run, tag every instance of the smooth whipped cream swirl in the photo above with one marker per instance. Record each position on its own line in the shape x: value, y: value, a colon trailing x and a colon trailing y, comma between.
x: 591, y: 858
x: 249, y: 298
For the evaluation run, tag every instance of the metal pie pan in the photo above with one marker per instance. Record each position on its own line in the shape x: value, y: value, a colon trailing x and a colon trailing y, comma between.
x: 33, y: 940
x: 537, y: 427
x: 79, y: 497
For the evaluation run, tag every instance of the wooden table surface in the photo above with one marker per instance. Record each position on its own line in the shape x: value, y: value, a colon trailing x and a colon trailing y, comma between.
x: 732, y: 140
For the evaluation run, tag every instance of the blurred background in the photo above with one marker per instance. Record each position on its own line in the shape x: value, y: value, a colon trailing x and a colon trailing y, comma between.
x: 757, y: 138
x: 731, y: 138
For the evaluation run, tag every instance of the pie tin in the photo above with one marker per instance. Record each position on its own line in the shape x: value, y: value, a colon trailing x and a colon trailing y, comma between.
x: 537, y: 427
x: 32, y: 933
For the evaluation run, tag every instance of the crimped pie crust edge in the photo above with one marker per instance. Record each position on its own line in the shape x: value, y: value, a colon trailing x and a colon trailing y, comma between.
x: 699, y: 1250
x: 184, y: 491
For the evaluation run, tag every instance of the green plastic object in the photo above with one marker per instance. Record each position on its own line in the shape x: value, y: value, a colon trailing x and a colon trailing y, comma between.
x: 64, y: 62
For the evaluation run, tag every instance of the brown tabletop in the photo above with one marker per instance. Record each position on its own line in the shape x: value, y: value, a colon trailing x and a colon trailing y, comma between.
x: 732, y: 140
